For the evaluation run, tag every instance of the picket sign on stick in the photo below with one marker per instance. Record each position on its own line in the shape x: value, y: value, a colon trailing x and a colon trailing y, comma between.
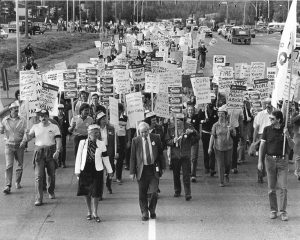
x: 176, y: 127
x: 287, y: 108
x: 72, y: 106
x: 152, y: 101
x: 27, y: 115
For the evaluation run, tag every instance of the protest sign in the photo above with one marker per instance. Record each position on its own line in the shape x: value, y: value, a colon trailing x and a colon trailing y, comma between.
x: 235, y: 97
x: 257, y: 71
x: 121, y: 80
x: 296, y: 76
x: 271, y: 72
x: 218, y: 60
x: 52, y: 77
x: 177, y: 56
x: 60, y: 66
x: 225, y: 79
x: 138, y: 74
x: 135, y: 108
x: 261, y: 85
x: 255, y: 100
x: 114, y: 111
x: 241, y: 71
x: 162, y: 106
x: 171, y: 78
x: 189, y: 66
x: 28, y: 85
x: 201, y: 88
x: 289, y: 85
x: 151, y: 82
x: 48, y: 97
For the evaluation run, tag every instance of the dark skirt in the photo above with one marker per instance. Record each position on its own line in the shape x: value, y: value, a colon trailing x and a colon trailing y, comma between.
x: 90, y: 181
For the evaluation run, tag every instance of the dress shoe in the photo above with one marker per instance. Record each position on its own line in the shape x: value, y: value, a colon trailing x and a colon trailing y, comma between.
x: 109, y: 190
x: 100, y: 198
x: 273, y: 215
x: 97, y: 219
x: 89, y: 217
x: 212, y: 173
x: 193, y: 179
x: 153, y: 215
x: 188, y: 198
x: 52, y: 195
x: 18, y: 186
x: 145, y: 217
x: 176, y: 194
x: 38, y: 203
x: 64, y: 166
x: 6, y: 190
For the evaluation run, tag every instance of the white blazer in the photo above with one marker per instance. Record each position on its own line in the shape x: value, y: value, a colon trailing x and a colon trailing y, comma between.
x: 99, y: 160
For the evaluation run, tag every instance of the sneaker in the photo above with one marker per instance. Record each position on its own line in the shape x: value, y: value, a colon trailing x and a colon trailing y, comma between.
x: 234, y: 170
x: 38, y: 203
x: 221, y: 185
x: 212, y: 173
x: 273, y: 215
x: 52, y: 195
x: 18, y: 186
x: 193, y: 179
x: 284, y: 217
x: 188, y: 198
x: 176, y: 195
x: 119, y: 181
x: 6, y: 190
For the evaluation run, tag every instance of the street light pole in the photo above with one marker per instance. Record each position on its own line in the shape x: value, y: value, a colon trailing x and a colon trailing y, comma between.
x: 73, y: 11
x: 18, y: 35
x: 67, y: 22
x: 102, y: 16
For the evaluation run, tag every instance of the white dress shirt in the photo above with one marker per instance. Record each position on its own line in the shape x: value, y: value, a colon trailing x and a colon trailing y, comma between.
x: 103, y: 132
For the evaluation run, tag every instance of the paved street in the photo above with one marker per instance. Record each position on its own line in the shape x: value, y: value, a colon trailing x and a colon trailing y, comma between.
x: 238, y: 211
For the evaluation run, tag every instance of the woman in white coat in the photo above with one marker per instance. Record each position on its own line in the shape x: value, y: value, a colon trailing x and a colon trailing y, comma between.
x: 91, y: 159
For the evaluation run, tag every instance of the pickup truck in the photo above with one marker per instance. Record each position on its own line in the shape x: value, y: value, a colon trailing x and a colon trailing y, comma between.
x: 33, y: 28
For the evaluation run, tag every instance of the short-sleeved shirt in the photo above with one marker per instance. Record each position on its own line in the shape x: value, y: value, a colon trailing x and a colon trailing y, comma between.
x: 45, y: 135
x: 262, y: 120
x: 221, y: 142
x: 81, y: 125
x: 274, y: 138
x: 235, y: 115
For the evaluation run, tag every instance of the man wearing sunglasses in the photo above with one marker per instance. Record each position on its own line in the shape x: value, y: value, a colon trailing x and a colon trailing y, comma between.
x: 47, y: 148
x: 276, y: 161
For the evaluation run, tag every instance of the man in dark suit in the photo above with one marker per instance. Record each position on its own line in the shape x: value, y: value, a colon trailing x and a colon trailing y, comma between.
x: 146, y: 164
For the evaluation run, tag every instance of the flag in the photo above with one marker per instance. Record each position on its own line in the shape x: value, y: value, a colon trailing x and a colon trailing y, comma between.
x: 286, y: 47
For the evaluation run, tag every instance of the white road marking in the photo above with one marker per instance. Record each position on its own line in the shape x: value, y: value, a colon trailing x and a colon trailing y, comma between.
x: 152, y: 229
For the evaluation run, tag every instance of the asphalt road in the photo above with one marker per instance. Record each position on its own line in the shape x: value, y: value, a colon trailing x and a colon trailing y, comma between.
x: 237, y: 211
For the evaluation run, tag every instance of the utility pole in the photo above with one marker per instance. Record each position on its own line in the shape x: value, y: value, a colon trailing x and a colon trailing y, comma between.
x: 244, y: 18
x: 18, y: 35
x: 102, y: 16
x: 26, y: 19
x: 79, y: 13
x: 73, y: 11
x: 137, y: 11
x: 67, y: 20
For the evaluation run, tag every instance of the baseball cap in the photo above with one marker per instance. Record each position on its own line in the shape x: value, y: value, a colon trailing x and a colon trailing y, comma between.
x: 223, y: 108
x: 13, y: 105
x: 44, y: 111
x: 100, y: 115
x: 93, y: 127
x: 60, y: 106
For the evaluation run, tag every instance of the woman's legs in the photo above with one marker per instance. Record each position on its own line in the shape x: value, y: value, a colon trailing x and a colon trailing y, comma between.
x: 88, y: 204
x: 95, y: 201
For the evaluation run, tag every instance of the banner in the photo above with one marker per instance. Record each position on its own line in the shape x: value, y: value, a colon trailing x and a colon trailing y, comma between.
x: 135, y: 108
x: 201, y: 88
x: 286, y: 47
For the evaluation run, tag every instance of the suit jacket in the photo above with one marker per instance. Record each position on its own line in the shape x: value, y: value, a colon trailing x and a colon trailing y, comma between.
x: 100, y: 161
x: 137, y: 160
x: 111, y: 141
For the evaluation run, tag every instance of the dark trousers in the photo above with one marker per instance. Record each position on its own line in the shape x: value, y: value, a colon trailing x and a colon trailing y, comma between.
x: 62, y: 155
x: 148, y: 181
x: 122, y: 154
x: 108, y: 179
x: 209, y: 160
x: 234, y: 148
x: 77, y: 139
x: 202, y: 60
x: 185, y: 164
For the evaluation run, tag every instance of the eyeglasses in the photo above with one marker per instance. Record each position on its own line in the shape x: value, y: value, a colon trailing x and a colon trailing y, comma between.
x: 271, y: 118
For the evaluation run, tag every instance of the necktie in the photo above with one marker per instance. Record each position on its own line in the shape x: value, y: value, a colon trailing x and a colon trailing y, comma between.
x: 148, y: 156
x: 247, y: 115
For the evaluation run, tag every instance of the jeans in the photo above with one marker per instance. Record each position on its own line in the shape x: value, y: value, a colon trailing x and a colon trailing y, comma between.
x: 194, y: 158
x: 12, y: 153
x: 185, y: 164
x: 209, y: 160
x: 224, y: 162
x: 277, y: 171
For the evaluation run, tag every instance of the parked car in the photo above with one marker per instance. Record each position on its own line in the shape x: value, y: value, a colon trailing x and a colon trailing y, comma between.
x: 252, y: 33
x: 207, y: 30
x: 3, y: 34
